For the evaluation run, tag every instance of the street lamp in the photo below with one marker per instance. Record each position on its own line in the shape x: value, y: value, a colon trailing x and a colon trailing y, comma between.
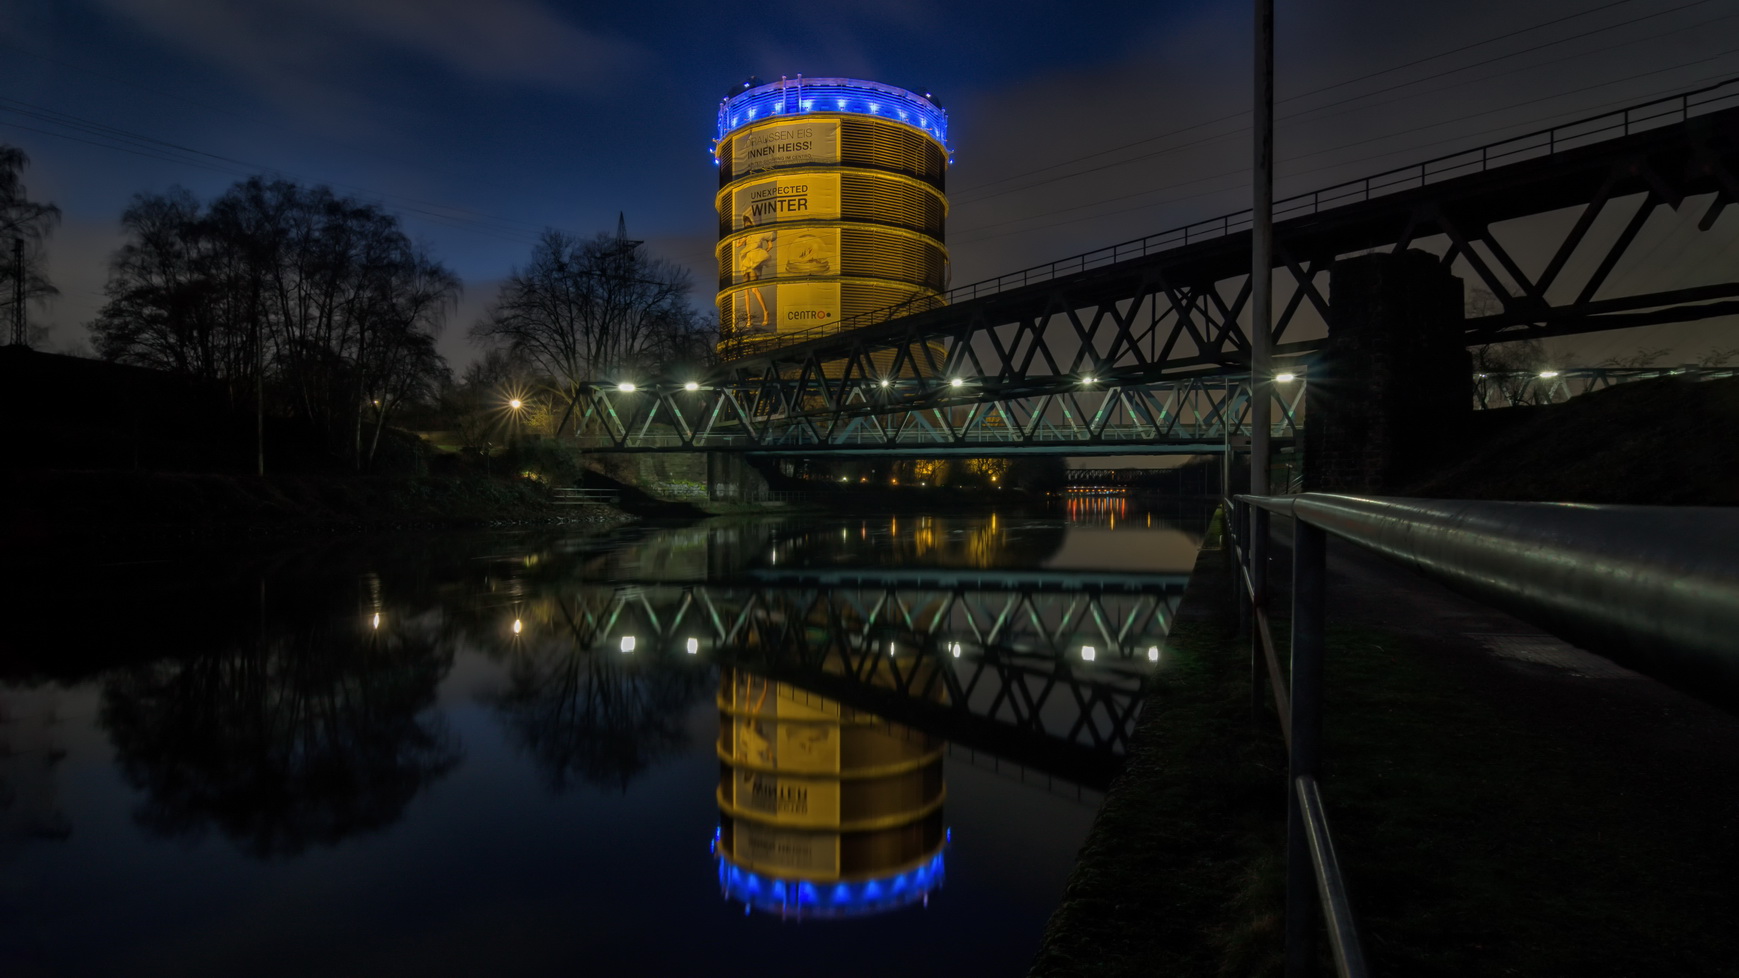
x: 691, y: 386
x: 515, y: 403
x: 1285, y: 378
x: 626, y: 387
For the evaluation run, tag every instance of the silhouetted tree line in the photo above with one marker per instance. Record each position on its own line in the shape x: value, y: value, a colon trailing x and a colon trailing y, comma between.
x: 305, y: 304
x: 319, y: 303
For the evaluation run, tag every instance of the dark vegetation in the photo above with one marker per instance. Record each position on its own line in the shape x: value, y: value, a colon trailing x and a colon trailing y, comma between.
x: 1649, y: 442
x: 1491, y: 819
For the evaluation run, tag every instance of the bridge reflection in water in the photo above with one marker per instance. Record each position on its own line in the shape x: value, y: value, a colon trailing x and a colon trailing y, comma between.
x: 841, y: 689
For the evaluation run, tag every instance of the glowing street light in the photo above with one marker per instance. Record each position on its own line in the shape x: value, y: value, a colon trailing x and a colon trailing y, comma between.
x: 517, y: 626
x: 1088, y: 652
x: 957, y: 382
x: 1548, y: 374
x: 516, y: 404
x: 693, y: 646
x: 691, y: 386
x: 627, y: 643
x: 626, y: 387
x: 1153, y: 653
x: 886, y: 382
x: 1087, y: 381
x: 1285, y: 378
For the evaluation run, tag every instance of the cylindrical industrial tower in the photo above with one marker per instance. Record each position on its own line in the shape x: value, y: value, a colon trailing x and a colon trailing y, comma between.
x: 825, y: 811
x: 831, y: 206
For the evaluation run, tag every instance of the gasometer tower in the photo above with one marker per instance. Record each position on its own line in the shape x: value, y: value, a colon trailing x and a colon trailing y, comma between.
x: 832, y: 205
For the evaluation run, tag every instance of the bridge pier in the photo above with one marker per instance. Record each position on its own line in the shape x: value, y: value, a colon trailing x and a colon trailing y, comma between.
x: 730, y: 478
x: 1391, y: 387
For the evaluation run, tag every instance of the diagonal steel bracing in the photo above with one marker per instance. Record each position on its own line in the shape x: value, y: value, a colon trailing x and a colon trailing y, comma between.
x: 1142, y: 317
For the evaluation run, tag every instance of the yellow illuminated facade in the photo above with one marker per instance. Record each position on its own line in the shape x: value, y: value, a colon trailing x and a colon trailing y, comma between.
x: 825, y: 811
x: 831, y: 206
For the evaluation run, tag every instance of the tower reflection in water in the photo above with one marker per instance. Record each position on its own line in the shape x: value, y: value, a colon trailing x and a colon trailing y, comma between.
x: 825, y: 811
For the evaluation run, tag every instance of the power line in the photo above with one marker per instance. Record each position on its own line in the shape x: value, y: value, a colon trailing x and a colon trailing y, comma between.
x: 114, y: 138
x: 971, y: 195
x: 1346, y: 163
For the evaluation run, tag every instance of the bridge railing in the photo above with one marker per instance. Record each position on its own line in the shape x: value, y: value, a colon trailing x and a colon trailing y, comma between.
x: 1655, y: 588
x: 1540, y: 143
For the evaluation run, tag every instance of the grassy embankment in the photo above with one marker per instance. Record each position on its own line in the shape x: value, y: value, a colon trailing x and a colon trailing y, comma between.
x: 42, y: 505
x: 1490, y: 821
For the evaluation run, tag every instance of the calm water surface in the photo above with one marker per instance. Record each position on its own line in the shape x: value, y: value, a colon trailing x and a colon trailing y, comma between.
x: 841, y: 746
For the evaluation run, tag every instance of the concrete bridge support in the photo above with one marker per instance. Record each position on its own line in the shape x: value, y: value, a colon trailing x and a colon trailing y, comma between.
x: 730, y: 478
x: 1391, y: 388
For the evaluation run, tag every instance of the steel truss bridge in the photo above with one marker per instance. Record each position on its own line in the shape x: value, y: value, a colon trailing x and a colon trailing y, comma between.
x: 1043, y: 669
x: 1144, y: 346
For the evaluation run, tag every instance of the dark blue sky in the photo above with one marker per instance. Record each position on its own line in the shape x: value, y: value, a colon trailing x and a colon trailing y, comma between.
x: 1074, y: 126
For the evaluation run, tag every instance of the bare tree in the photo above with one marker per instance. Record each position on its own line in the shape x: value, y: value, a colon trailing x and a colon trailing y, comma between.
x: 25, y: 225
x: 602, y: 309
x: 322, y: 296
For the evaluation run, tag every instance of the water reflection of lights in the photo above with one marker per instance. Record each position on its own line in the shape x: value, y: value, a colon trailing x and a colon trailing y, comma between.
x: 802, y: 898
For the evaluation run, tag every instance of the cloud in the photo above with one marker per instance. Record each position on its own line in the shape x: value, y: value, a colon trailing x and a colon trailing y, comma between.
x: 296, y: 48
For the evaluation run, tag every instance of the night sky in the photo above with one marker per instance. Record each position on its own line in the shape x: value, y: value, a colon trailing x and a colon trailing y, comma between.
x: 1074, y: 126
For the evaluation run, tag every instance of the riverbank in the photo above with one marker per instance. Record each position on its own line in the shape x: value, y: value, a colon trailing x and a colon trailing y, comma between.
x: 50, y: 506
x: 1502, y: 803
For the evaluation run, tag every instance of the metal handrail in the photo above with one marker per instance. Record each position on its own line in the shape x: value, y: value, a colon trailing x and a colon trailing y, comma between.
x: 1655, y: 588
x: 1541, y: 142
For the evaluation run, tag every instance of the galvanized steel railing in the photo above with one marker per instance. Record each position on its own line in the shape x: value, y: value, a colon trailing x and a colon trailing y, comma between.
x: 1655, y: 588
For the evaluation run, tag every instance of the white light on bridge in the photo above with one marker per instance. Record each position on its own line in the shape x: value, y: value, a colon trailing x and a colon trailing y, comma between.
x: 1086, y: 381
x: 954, y: 647
x: 1153, y: 653
x: 1088, y: 652
x: 957, y: 382
x: 1548, y: 374
x: 691, y: 386
x: 515, y: 404
x: 377, y: 619
x: 626, y: 387
x: 517, y: 626
x: 886, y: 382
x: 1285, y: 378
x: 627, y: 643
x: 693, y: 646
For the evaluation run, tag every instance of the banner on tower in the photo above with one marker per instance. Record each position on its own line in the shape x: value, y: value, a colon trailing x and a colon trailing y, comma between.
x: 805, y: 197
x: 805, y: 143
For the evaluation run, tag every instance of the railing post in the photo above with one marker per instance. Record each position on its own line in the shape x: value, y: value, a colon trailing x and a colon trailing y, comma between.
x: 1240, y: 564
x: 1308, y: 570
x: 1258, y: 556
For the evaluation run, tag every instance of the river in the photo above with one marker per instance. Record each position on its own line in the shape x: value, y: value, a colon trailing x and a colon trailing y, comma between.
x: 819, y: 745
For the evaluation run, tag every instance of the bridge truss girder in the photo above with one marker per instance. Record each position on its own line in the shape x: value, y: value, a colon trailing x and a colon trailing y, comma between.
x: 807, y: 415
x: 1181, y: 311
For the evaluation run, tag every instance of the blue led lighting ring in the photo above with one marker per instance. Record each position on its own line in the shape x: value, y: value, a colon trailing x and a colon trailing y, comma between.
x: 833, y: 96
